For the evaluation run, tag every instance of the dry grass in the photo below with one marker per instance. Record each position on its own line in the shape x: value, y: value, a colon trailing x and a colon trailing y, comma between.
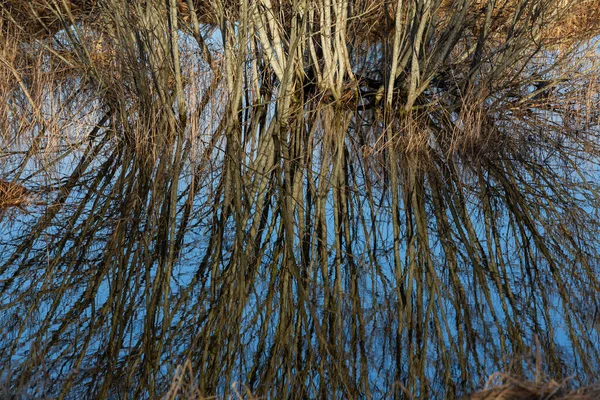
x: 500, y: 386
x: 575, y: 19
x: 184, y: 386
x: 504, y: 387
x: 13, y: 195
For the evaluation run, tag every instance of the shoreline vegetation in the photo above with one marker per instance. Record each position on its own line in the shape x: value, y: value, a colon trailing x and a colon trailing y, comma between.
x: 317, y: 198
x: 499, y: 386
x: 516, y: 389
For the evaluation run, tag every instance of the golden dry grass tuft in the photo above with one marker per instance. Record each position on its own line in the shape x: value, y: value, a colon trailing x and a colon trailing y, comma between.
x: 504, y: 387
x: 576, y: 20
x: 184, y: 386
x: 13, y: 195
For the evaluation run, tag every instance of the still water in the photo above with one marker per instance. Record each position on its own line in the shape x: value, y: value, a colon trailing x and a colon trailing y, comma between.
x: 109, y: 283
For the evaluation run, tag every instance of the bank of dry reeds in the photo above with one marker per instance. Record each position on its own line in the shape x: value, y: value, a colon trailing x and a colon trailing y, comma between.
x: 499, y: 386
x: 512, y: 388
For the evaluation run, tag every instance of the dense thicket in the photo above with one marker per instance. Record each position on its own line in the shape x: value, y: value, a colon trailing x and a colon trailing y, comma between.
x: 303, y: 198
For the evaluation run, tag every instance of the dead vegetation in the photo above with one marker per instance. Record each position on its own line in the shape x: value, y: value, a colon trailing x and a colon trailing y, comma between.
x: 13, y: 195
x: 499, y: 386
x: 507, y: 387
x: 303, y: 199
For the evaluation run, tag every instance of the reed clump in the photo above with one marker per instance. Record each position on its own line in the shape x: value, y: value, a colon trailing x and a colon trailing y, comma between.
x: 504, y: 387
x: 13, y: 195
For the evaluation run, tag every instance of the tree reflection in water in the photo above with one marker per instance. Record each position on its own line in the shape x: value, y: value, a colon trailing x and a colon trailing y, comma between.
x: 246, y: 191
